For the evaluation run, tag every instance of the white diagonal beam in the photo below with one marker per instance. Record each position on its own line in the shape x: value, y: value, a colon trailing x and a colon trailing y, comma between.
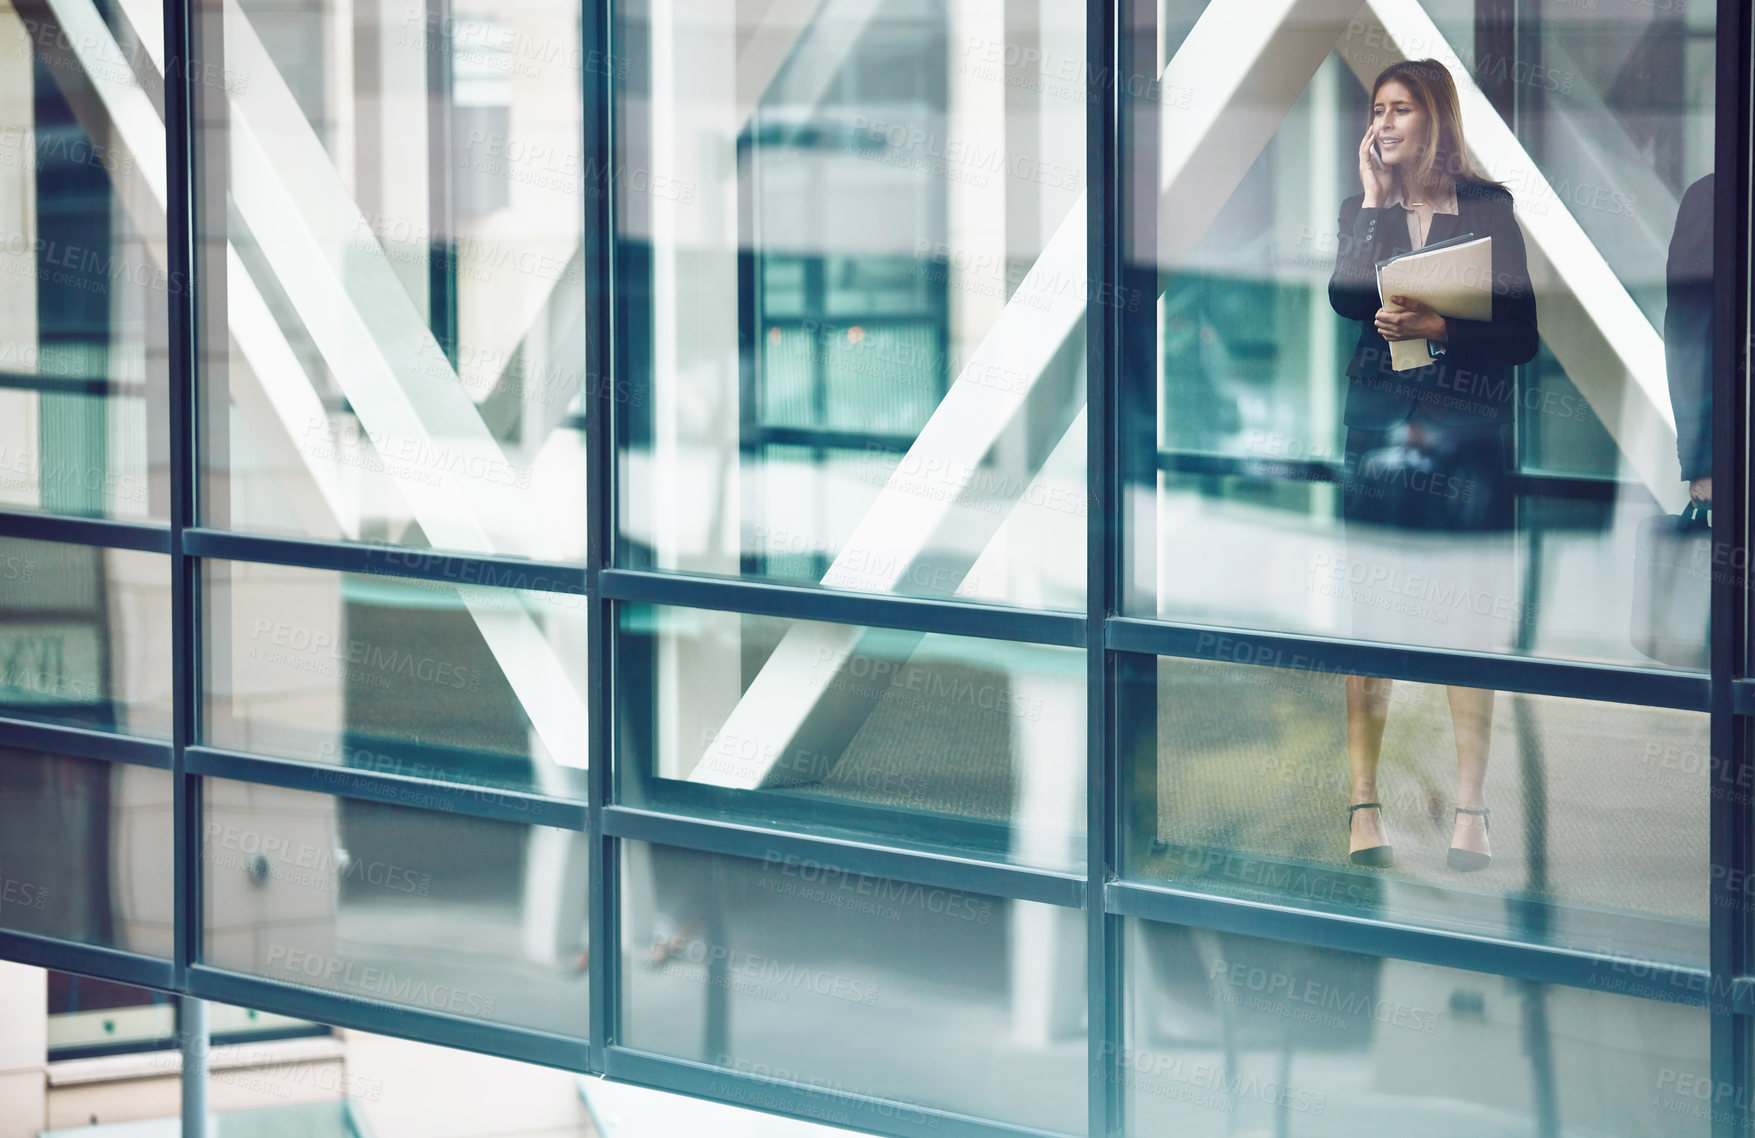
x: 536, y: 674
x: 788, y: 30
x: 1239, y: 74
x: 313, y: 233
x: 1241, y: 69
x: 103, y: 102
x: 1225, y: 92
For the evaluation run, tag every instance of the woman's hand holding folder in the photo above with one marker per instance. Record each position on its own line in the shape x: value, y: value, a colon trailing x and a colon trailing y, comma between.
x: 1422, y: 290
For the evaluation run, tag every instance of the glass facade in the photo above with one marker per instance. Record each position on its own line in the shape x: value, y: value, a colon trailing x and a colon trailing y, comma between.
x: 985, y: 567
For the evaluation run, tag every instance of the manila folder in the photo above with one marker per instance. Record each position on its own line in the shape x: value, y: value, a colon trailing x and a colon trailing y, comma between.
x: 1454, y: 277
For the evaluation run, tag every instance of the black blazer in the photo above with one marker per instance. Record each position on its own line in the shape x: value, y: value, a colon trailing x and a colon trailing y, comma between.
x: 1688, y: 329
x: 1472, y: 384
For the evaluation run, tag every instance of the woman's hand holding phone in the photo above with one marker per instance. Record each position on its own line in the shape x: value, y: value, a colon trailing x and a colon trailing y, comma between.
x: 1374, y: 176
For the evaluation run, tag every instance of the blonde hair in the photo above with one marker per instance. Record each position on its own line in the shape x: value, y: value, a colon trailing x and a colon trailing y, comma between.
x: 1434, y: 92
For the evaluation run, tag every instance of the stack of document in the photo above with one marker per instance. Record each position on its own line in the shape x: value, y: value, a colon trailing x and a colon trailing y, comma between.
x: 1455, y: 277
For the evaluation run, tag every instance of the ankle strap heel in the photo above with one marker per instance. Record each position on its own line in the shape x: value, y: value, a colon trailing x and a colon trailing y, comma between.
x: 1469, y: 861
x: 1374, y: 857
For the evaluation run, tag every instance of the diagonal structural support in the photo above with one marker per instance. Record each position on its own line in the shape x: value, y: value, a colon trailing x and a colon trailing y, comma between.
x: 327, y: 297
x: 1241, y: 70
x: 805, y: 702
x: 1243, y: 66
x: 107, y: 105
x: 791, y: 35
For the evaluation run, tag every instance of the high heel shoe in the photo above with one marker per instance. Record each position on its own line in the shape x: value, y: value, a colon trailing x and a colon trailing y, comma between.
x: 1468, y: 861
x: 1376, y: 857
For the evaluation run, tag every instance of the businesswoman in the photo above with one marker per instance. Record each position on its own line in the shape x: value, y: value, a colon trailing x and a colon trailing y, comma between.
x: 1425, y: 501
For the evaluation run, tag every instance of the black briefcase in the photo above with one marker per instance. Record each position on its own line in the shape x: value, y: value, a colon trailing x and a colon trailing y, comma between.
x: 1672, y: 587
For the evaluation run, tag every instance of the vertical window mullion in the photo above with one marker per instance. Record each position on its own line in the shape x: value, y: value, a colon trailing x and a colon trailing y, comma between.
x: 1732, y: 1053
x: 598, y: 234
x: 183, y: 349
x: 1105, y: 55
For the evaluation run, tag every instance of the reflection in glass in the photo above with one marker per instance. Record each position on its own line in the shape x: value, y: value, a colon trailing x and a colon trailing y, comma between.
x: 85, y: 287
x: 1599, y: 816
x: 443, y: 913
x: 461, y: 683
x: 865, y: 233
x: 85, y: 636
x: 1259, y: 455
x: 1227, y: 1034
x: 937, y: 740
x: 88, y: 1016
x: 85, y: 851
x: 401, y: 1088
x: 794, y: 970
x: 397, y: 353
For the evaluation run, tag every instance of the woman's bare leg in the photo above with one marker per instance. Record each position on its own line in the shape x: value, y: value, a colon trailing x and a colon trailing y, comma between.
x: 1471, y: 715
x: 1367, y: 711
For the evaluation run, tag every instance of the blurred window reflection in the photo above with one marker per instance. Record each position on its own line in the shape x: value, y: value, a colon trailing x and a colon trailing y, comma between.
x: 1230, y: 1034
x: 403, y: 907
x: 943, y: 741
x: 397, y: 354
x: 85, y: 851
x: 856, y: 985
x: 85, y: 636
x: 426, y: 679
x: 1595, y: 130
x: 85, y: 286
x: 880, y: 369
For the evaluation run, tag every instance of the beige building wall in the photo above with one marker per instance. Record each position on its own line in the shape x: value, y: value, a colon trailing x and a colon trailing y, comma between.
x: 24, y: 1048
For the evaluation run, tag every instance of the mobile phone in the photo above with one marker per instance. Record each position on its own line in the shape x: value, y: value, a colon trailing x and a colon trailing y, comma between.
x: 1376, y: 154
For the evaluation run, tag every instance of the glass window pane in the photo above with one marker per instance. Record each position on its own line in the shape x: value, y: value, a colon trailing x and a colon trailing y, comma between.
x: 863, y: 237
x: 462, y: 683
x: 350, y: 1083
x: 1227, y: 1034
x: 977, y: 745
x: 443, y: 913
x: 85, y: 285
x: 88, y: 1016
x: 1597, y: 833
x: 397, y: 354
x: 851, y: 984
x: 1509, y: 479
x: 85, y: 636
x: 85, y: 851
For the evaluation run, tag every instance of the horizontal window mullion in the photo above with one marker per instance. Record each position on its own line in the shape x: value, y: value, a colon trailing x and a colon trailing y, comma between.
x: 476, y: 801
x: 1669, y: 983
x: 1268, y: 469
x: 91, y: 386
x: 800, y: 602
x: 460, y: 569
x: 85, y: 743
x: 833, y: 857
x: 88, y: 960
x: 104, y: 532
x: 764, y: 434
x: 814, y: 1102
x: 1648, y: 687
x: 342, y: 1010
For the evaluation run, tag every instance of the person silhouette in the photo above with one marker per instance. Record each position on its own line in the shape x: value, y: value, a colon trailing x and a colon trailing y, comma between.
x: 1425, y: 495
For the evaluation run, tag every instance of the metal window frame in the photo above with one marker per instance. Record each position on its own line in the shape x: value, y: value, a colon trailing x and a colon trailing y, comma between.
x: 1731, y: 930
x: 1115, y: 647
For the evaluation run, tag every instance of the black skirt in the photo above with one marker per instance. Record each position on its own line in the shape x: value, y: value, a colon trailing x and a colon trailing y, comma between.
x: 1420, y: 475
